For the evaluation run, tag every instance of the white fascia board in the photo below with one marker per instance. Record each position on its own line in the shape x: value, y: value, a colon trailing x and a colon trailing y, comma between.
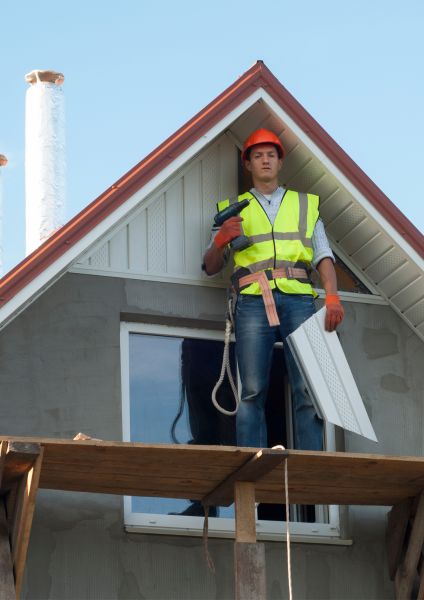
x: 61, y: 266
x: 328, y: 164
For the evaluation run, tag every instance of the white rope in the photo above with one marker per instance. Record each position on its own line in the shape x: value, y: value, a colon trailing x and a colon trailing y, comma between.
x: 226, y: 367
x: 286, y: 485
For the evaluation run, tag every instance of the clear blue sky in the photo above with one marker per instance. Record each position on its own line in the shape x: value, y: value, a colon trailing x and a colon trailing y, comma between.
x: 136, y: 71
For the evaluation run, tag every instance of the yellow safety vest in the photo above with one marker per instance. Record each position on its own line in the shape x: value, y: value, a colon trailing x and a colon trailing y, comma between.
x: 281, y: 245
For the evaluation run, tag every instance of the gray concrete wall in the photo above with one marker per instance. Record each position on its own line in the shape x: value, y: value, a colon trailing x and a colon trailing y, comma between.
x: 60, y: 374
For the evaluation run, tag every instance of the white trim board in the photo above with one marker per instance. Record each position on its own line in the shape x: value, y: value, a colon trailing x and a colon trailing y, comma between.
x: 346, y: 296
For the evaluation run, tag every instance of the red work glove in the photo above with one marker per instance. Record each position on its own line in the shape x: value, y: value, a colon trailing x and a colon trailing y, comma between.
x: 335, y: 312
x: 229, y: 230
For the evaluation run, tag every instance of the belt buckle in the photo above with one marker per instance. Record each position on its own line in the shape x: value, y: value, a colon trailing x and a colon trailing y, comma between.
x: 289, y: 273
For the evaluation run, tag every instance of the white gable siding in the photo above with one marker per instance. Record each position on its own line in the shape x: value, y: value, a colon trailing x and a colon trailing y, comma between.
x: 167, y: 236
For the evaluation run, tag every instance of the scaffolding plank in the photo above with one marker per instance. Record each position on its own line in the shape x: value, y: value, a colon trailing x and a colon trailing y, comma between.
x: 192, y: 472
x: 255, y: 469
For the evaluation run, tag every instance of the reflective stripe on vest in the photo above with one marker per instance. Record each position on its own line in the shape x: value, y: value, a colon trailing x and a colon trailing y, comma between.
x: 281, y: 245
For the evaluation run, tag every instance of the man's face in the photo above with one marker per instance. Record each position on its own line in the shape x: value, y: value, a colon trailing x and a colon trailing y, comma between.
x: 264, y: 163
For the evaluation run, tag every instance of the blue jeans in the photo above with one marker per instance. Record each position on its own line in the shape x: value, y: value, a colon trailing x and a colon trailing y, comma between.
x: 255, y: 341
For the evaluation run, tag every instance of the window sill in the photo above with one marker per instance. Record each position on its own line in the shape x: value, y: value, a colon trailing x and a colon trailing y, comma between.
x: 306, y: 533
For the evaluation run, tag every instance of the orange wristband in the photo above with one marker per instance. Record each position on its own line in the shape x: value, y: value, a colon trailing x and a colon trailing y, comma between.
x: 331, y: 299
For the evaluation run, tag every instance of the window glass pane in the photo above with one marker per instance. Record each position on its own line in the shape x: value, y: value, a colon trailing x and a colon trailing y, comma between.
x: 171, y: 383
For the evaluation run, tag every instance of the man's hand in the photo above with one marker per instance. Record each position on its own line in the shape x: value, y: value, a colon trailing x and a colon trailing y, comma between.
x: 335, y: 312
x: 229, y: 230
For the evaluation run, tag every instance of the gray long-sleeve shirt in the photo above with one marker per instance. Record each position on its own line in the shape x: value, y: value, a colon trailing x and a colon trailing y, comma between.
x: 271, y: 205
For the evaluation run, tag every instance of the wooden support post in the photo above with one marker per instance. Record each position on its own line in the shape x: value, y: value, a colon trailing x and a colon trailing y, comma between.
x: 420, y: 595
x: 7, y: 585
x: 32, y: 480
x: 395, y: 534
x: 244, y: 501
x: 415, y: 545
x: 249, y: 556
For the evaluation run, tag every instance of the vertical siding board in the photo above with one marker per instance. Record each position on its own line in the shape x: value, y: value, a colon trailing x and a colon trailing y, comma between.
x: 211, y: 191
x: 119, y: 250
x: 228, y: 169
x: 175, y: 230
x: 137, y: 231
x: 156, y: 236
x: 193, y: 222
x: 228, y: 184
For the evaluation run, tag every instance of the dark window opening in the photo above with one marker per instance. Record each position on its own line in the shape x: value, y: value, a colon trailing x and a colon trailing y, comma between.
x: 171, y: 383
x: 244, y: 177
x: 347, y: 280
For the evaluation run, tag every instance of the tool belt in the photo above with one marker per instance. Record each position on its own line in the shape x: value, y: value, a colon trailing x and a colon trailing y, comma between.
x: 243, y: 278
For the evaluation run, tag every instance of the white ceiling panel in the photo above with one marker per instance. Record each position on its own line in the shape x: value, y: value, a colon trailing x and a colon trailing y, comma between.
x: 415, y: 314
x: 333, y: 206
x: 324, y: 187
x: 410, y: 295
x: 372, y: 251
x: 348, y: 219
x: 358, y: 236
x: 385, y: 265
x: 399, y: 279
x: 327, y: 375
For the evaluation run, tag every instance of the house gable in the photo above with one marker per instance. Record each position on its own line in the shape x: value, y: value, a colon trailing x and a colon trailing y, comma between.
x: 378, y: 244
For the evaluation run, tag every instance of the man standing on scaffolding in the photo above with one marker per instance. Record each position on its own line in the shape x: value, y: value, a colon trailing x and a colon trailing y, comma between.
x: 273, y: 286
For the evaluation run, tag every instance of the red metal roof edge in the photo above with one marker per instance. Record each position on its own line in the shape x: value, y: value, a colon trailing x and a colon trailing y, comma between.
x: 258, y: 75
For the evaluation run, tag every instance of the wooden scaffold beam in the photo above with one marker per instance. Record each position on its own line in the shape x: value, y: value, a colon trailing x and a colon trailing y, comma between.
x: 404, y: 546
x: 20, y: 468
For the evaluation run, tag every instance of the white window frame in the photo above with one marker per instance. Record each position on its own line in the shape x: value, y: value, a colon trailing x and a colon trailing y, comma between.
x: 319, y: 533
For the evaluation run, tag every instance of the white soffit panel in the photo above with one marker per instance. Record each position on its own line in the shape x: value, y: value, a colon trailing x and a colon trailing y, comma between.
x: 327, y: 375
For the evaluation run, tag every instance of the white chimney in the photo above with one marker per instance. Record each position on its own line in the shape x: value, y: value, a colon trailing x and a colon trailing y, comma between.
x: 45, y: 157
x: 3, y: 161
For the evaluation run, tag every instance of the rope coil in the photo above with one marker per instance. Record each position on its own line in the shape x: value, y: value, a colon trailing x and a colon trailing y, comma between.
x: 226, y: 367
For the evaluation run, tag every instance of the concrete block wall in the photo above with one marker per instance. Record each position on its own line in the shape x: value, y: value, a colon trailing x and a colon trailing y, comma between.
x: 60, y: 374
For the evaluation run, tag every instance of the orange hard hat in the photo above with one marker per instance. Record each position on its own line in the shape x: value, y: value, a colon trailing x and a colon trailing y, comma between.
x: 262, y: 136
